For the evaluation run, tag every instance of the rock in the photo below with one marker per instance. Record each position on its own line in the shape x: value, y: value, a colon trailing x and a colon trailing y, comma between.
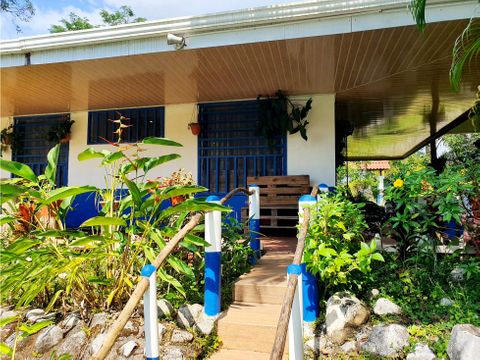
x: 362, y: 335
x: 386, y: 307
x: 165, y: 309
x: 422, y: 352
x: 99, y: 319
x: 187, y: 315
x: 172, y: 353
x: 446, y: 302
x: 464, y: 342
x: 69, y: 323
x: 349, y: 346
x: 457, y: 274
x: 127, y: 348
x: 308, y: 330
x: 161, y: 330
x: 130, y: 328
x: 97, y: 342
x: 204, y: 324
x: 181, y: 336
x: 374, y: 293
x: 74, y: 342
x: 48, y: 338
x: 386, y: 340
x: 8, y: 313
x: 320, y: 345
x: 344, y: 312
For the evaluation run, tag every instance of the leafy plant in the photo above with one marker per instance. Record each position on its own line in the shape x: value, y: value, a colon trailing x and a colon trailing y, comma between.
x: 333, y: 247
x: 95, y: 267
x: 62, y: 130
x: 423, y: 201
x: 279, y: 115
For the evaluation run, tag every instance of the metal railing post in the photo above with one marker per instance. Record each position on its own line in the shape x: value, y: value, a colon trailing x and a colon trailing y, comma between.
x: 150, y: 313
x: 295, y: 326
x: 213, y: 260
x: 309, y: 284
x: 254, y: 216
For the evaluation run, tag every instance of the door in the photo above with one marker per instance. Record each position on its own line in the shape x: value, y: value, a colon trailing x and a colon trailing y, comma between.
x: 230, y: 148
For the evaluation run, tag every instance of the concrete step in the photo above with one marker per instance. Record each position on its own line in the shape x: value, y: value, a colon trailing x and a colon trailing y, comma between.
x: 249, y: 326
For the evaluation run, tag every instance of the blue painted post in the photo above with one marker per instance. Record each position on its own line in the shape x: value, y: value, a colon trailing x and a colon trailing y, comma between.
x: 310, y: 295
x: 295, y: 326
x: 323, y: 188
x: 254, y: 215
x: 150, y: 313
x: 213, y: 260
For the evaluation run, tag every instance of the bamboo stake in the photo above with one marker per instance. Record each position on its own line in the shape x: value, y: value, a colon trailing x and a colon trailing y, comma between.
x: 284, y: 318
x: 142, y: 285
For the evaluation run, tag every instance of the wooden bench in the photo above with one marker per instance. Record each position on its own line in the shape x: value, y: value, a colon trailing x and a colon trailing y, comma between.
x: 279, y: 199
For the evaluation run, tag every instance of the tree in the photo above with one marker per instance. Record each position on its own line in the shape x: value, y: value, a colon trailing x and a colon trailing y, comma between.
x: 22, y: 10
x: 124, y: 15
x: 74, y: 23
x: 466, y: 47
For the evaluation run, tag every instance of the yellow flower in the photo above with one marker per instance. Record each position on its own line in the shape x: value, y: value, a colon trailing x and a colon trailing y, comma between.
x: 398, y: 183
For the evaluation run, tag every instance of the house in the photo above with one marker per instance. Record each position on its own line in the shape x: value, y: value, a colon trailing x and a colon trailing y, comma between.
x: 362, y: 62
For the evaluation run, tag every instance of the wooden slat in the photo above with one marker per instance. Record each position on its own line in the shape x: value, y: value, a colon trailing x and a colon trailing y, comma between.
x: 291, y: 180
x: 284, y: 190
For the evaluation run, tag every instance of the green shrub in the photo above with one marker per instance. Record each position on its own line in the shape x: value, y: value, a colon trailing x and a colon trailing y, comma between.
x: 334, y: 249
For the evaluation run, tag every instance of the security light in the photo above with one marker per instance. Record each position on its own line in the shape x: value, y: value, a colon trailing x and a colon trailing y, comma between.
x: 178, y: 41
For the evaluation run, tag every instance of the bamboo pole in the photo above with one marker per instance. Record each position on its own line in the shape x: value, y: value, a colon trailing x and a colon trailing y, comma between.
x: 284, y: 318
x: 142, y: 285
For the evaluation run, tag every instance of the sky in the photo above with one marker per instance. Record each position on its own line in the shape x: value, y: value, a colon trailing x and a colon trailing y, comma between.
x: 48, y: 12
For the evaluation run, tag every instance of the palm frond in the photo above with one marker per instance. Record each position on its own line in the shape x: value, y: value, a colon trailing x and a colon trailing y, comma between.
x: 417, y: 8
x: 465, y: 49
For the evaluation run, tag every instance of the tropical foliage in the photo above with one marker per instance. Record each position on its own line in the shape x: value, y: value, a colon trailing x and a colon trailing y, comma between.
x: 334, y: 248
x: 96, y: 266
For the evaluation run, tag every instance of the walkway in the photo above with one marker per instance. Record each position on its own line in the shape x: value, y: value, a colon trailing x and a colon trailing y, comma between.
x: 247, y: 328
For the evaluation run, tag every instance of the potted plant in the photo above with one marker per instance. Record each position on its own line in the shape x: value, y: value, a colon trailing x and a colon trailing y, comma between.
x: 195, y: 128
x: 8, y: 138
x: 60, y: 133
x: 179, y: 177
x: 279, y: 115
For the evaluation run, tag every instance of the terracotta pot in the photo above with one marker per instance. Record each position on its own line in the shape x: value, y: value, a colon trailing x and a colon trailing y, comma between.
x: 65, y: 140
x: 7, y: 140
x: 195, y: 127
x: 177, y: 199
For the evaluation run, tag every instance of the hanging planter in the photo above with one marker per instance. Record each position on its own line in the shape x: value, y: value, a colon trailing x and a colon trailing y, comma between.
x: 61, y: 133
x: 195, y: 128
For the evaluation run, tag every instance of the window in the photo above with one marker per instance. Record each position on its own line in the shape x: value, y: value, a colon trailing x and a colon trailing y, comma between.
x: 33, y: 145
x: 144, y: 122
x: 230, y: 148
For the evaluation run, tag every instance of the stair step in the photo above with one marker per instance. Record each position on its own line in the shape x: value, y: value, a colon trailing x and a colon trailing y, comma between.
x: 225, y: 354
x: 260, y: 294
x: 249, y: 326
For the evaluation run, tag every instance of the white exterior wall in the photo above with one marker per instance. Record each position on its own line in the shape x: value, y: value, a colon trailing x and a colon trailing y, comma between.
x: 315, y: 157
x: 177, y: 118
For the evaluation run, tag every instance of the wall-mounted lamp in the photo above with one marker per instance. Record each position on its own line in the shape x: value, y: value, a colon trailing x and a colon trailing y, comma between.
x: 178, y: 41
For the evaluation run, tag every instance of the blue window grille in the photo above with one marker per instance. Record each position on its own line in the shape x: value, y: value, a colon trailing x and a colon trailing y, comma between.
x: 230, y: 148
x: 144, y: 122
x: 33, y: 145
